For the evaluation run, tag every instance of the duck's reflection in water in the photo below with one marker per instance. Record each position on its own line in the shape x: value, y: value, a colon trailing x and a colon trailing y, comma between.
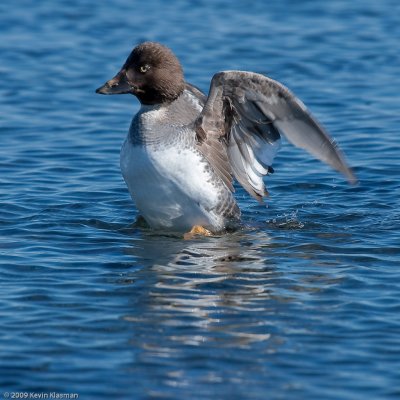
x: 218, y: 289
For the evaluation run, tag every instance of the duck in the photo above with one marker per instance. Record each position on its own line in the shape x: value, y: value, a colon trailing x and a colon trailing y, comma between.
x: 184, y: 149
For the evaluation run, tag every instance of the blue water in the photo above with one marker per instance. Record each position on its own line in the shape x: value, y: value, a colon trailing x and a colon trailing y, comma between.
x: 302, y: 303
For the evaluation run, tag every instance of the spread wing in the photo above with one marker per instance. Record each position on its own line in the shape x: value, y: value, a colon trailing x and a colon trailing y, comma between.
x: 240, y: 125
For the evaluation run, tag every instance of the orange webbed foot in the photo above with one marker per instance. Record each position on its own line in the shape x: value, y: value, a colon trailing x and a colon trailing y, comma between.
x: 197, y: 230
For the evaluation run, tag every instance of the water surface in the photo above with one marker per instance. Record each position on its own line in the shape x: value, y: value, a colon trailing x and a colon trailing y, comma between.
x: 303, y: 302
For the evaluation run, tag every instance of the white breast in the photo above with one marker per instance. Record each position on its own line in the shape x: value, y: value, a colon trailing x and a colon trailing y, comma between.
x: 171, y: 186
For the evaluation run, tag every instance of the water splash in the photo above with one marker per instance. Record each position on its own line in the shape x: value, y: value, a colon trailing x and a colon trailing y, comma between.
x: 289, y: 221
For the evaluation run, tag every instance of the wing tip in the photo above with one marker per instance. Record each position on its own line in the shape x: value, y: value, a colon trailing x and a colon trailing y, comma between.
x: 351, y: 177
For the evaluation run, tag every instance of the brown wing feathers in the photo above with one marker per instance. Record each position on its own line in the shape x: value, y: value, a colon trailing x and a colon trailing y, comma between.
x: 240, y: 125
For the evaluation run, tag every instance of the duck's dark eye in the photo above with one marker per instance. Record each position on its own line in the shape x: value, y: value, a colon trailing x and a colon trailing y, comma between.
x: 144, y: 68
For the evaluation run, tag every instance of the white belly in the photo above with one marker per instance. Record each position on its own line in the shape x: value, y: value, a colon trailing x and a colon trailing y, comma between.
x: 172, y: 187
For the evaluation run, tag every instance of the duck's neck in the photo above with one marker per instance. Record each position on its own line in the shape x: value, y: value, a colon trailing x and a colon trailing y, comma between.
x: 156, y: 123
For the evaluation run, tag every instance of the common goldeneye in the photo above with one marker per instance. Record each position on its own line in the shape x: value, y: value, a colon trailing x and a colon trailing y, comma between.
x: 184, y: 149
